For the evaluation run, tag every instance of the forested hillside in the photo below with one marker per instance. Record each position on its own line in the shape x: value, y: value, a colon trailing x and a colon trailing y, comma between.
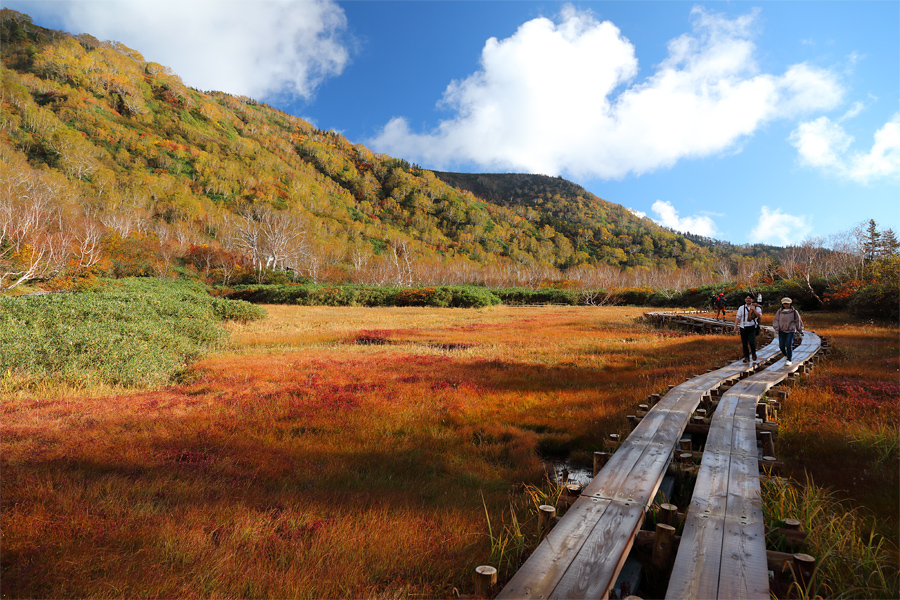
x: 118, y: 147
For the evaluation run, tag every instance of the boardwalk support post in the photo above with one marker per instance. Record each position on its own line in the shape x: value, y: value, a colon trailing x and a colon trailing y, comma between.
x: 804, y: 566
x: 668, y: 514
x: 485, y: 579
x: 662, y: 546
x: 545, y: 516
x: 600, y: 459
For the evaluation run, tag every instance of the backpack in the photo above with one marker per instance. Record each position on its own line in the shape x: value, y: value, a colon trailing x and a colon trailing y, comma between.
x: 755, y: 318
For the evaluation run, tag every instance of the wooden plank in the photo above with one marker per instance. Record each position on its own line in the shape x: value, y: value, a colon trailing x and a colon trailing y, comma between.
x: 545, y: 567
x: 744, y: 570
x: 695, y: 573
x: 593, y: 572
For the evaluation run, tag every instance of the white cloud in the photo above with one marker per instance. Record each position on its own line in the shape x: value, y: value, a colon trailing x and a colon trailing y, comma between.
x: 825, y: 145
x: 636, y: 212
x: 252, y: 48
x: 779, y: 228
x: 668, y: 217
x: 562, y: 97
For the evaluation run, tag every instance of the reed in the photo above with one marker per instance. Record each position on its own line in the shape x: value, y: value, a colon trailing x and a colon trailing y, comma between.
x: 852, y: 562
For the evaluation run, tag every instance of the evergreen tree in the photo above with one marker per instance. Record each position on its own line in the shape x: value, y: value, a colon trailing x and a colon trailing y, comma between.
x: 871, y: 242
x: 889, y: 246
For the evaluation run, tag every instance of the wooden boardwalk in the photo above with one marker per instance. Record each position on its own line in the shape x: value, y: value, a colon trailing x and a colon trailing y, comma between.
x: 723, y: 548
x: 584, y: 553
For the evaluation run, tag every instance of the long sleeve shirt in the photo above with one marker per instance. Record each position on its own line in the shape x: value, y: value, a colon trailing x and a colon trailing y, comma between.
x: 787, y: 320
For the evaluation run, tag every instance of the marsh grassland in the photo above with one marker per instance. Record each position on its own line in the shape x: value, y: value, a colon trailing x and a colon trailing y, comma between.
x: 379, y: 452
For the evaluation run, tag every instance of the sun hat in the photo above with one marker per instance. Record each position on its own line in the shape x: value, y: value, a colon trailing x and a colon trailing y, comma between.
x: 785, y: 300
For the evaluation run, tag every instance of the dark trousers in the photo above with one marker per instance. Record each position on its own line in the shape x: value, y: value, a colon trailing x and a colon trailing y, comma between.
x: 786, y: 343
x: 748, y: 340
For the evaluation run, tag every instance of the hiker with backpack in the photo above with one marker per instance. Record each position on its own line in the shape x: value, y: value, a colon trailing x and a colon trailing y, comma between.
x: 786, y: 323
x: 720, y: 305
x: 747, y: 320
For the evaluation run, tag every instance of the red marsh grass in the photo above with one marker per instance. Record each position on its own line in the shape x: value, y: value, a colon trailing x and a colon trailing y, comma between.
x: 841, y: 427
x: 331, y: 452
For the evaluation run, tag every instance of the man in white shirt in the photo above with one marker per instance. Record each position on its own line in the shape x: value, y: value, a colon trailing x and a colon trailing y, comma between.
x: 746, y: 319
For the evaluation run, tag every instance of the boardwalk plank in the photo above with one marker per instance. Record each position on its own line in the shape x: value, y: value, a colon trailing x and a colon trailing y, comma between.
x: 593, y: 572
x: 695, y: 573
x: 545, y: 567
x: 744, y: 572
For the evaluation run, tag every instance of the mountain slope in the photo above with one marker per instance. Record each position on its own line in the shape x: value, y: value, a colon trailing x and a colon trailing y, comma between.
x: 120, y: 142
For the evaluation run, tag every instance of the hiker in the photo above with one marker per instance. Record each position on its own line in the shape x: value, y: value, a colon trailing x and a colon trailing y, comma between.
x: 786, y: 323
x: 720, y: 305
x: 747, y: 318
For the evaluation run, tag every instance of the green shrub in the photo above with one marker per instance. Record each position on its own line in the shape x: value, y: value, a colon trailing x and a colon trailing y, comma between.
x: 472, y: 297
x: 516, y: 296
x: 137, y: 332
x: 352, y: 295
x: 877, y: 301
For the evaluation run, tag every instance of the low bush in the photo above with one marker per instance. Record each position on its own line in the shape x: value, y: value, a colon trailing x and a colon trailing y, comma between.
x: 515, y: 296
x: 351, y: 295
x: 880, y: 301
x: 129, y: 332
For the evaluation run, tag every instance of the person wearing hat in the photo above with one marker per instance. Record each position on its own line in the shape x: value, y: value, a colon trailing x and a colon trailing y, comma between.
x: 786, y: 323
x: 720, y: 305
x: 747, y: 318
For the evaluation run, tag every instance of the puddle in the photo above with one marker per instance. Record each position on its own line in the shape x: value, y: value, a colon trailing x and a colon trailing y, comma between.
x: 577, y: 475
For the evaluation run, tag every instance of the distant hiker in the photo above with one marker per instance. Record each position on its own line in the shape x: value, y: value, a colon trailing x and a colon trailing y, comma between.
x: 759, y: 298
x: 720, y: 305
x: 786, y: 323
x: 747, y: 318
x: 712, y: 302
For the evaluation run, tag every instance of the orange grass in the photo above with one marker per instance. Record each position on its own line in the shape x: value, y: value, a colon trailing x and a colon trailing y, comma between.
x: 331, y: 452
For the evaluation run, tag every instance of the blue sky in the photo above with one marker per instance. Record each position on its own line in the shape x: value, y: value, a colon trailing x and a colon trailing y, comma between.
x: 745, y: 121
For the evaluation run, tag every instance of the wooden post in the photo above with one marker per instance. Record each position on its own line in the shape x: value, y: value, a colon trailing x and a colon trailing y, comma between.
x: 545, y: 515
x: 768, y: 446
x: 662, y: 545
x: 632, y: 421
x: 768, y: 464
x: 803, y: 567
x: 612, y: 442
x: 686, y: 458
x: 600, y: 459
x: 573, y: 490
x: 668, y: 514
x: 485, y: 579
x: 654, y: 399
x: 684, y: 444
x: 762, y: 411
x: 792, y: 524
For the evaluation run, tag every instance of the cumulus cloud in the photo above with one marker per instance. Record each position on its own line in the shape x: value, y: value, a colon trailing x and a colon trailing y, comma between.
x: 668, y: 217
x: 238, y: 46
x: 825, y: 144
x: 779, y: 228
x: 636, y: 212
x: 563, y: 97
